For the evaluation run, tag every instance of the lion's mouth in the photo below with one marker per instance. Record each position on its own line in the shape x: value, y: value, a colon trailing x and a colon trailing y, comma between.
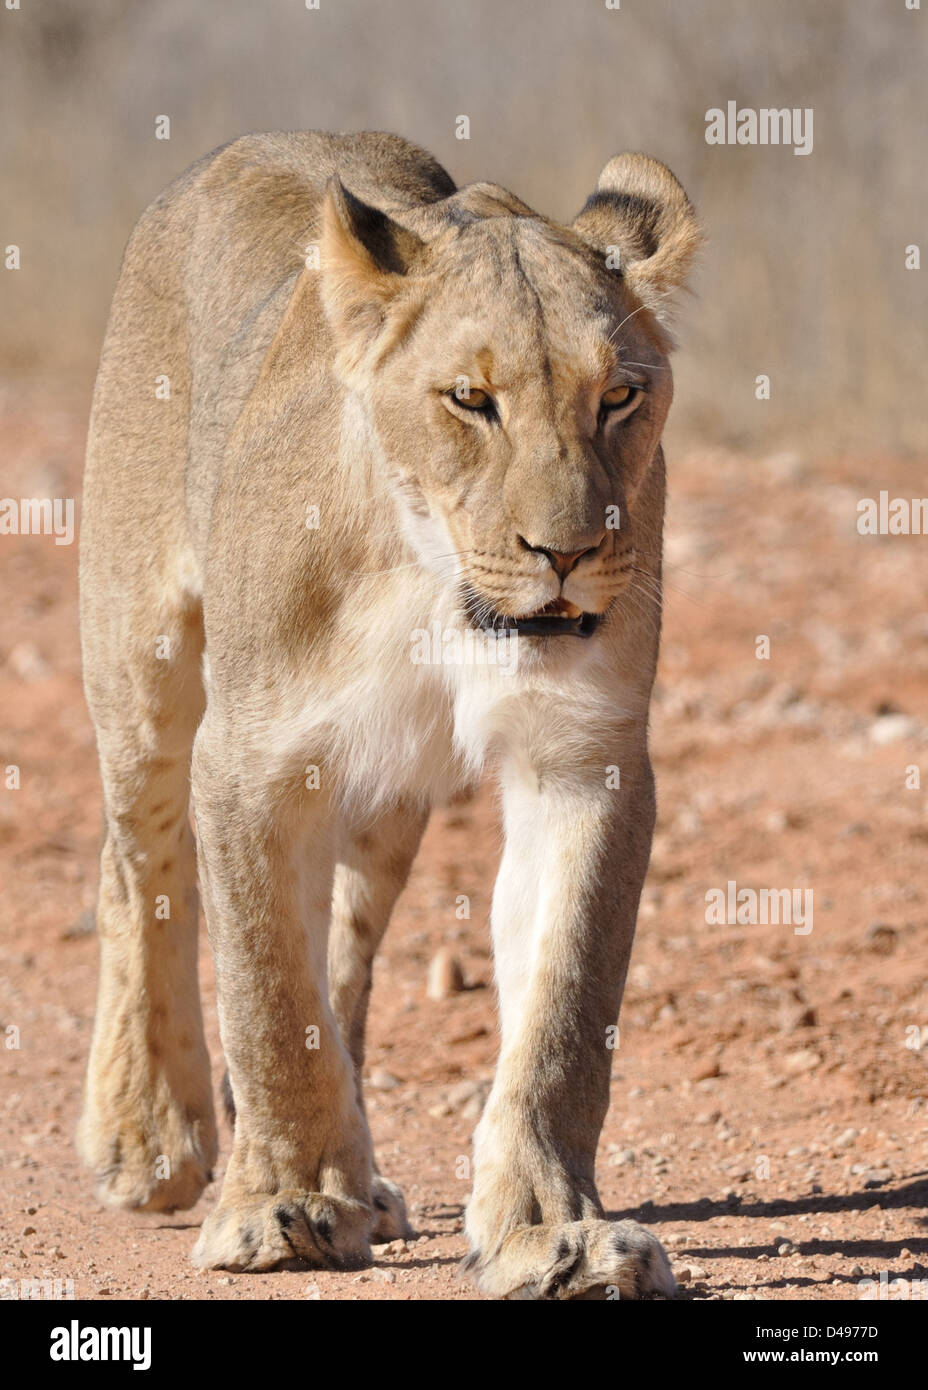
x: 559, y: 618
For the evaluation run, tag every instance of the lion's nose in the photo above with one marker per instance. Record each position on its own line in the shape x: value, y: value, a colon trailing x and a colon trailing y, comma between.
x: 561, y: 561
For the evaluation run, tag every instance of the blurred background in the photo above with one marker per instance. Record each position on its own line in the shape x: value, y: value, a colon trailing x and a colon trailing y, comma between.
x: 804, y: 278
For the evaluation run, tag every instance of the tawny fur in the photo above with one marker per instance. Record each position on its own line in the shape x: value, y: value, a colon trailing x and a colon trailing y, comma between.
x: 235, y: 652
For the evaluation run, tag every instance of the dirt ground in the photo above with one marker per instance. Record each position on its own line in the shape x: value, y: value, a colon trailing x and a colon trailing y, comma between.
x: 769, y: 1117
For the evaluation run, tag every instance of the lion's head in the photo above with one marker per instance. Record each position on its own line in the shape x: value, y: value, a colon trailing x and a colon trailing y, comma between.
x: 516, y: 373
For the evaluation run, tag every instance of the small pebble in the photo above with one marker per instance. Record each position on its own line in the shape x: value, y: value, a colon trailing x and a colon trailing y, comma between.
x: 881, y: 939
x: 445, y: 977
x: 383, y: 1081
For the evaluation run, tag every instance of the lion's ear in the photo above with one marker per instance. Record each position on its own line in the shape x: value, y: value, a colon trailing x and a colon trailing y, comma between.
x: 641, y: 219
x: 365, y: 258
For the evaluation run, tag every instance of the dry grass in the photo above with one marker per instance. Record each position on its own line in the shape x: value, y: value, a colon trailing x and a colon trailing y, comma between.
x: 804, y: 278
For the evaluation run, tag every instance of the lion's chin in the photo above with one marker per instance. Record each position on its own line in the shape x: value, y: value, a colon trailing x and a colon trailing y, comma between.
x: 559, y: 618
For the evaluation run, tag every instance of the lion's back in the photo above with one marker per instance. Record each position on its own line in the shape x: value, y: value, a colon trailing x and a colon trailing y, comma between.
x: 206, y: 279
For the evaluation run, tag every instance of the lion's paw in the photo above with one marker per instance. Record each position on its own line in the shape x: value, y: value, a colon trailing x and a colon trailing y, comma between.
x: 581, y: 1259
x: 390, y: 1219
x: 160, y: 1166
x: 285, y: 1230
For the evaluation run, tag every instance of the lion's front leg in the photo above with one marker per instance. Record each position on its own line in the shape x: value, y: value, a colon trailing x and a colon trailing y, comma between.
x: 298, y: 1185
x: 372, y: 868
x: 563, y: 921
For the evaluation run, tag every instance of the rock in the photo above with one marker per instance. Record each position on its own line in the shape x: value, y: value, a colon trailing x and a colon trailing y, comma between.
x: 478, y: 1030
x: 383, y: 1081
x: 705, y: 1071
x: 846, y: 1138
x: 468, y: 1098
x: 891, y: 728
x: 856, y: 1272
x: 386, y: 1276
x: 787, y: 1248
x: 881, y: 939
x: 805, y: 1060
x: 446, y: 976
x: 798, y: 1016
x: 878, y: 1177
x: 27, y: 1231
x: 620, y: 1159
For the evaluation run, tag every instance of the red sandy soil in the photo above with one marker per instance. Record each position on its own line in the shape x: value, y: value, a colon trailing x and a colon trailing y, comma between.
x: 769, y: 1118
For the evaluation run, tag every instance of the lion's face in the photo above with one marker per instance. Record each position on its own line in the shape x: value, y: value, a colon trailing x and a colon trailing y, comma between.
x: 519, y: 387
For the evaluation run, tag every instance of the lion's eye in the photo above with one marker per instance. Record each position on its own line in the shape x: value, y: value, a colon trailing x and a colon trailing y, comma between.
x: 621, y: 400
x: 473, y: 399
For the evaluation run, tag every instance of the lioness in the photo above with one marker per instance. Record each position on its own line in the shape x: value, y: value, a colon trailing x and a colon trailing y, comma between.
x: 341, y: 402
